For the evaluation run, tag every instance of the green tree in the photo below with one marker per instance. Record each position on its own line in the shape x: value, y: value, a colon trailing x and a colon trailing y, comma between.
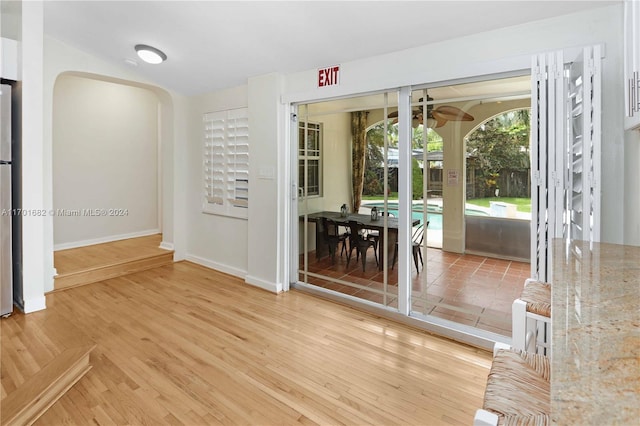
x: 500, y: 145
x: 373, y: 183
x: 416, y: 180
x: 434, y: 140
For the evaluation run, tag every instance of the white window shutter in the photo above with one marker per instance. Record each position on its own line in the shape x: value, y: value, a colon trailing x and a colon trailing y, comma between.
x: 226, y: 163
x: 565, y: 149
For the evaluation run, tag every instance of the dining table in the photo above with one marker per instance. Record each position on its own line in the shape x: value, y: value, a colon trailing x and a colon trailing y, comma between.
x: 366, y: 222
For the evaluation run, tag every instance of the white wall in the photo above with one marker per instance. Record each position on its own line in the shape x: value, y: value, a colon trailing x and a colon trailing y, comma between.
x: 37, y: 259
x: 632, y: 188
x: 57, y: 58
x: 215, y: 241
x: 268, y: 205
x: 336, y: 164
x: 105, y: 156
x: 11, y: 20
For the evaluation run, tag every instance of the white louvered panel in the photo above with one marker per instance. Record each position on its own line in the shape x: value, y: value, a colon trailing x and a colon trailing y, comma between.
x: 539, y: 117
x: 576, y: 140
x: 565, y: 160
x: 226, y: 163
x: 213, y: 151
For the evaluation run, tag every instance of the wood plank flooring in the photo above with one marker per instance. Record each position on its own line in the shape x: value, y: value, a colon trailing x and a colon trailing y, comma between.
x: 98, y: 255
x: 182, y: 344
x: 27, y: 403
x: 84, y: 265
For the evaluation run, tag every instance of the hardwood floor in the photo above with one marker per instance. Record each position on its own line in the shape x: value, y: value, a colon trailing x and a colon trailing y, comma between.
x: 98, y: 255
x: 89, y: 264
x: 182, y: 344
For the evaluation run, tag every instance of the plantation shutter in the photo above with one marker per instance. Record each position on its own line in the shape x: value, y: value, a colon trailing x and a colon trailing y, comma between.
x: 226, y: 163
x: 547, y: 158
x: 584, y: 146
x: 565, y: 153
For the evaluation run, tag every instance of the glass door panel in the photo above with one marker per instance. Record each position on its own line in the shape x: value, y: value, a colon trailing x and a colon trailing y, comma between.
x: 475, y: 167
x: 346, y: 191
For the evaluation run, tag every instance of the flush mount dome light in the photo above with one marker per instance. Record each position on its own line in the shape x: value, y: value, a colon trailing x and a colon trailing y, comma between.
x: 150, y: 54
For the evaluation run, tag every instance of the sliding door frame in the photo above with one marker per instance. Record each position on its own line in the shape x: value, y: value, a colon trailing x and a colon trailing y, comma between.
x: 498, y: 69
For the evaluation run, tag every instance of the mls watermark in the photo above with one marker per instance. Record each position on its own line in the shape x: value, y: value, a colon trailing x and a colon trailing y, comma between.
x: 100, y: 212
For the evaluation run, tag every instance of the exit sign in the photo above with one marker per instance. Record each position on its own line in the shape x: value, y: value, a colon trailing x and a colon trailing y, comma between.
x: 329, y: 76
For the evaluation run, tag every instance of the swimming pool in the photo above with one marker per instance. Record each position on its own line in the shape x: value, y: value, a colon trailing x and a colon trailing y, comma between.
x: 434, y: 212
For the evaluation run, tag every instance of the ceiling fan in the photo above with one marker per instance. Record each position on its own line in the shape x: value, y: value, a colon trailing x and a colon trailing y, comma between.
x: 437, y: 117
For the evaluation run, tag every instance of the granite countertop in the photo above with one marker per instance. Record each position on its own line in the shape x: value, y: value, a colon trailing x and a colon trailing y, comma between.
x: 595, y: 349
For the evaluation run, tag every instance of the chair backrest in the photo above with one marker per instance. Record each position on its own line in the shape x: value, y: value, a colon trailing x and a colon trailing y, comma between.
x: 355, y: 228
x: 418, y: 234
x: 330, y: 227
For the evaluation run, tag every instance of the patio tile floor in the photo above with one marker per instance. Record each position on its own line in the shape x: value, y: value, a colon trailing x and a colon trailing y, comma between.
x: 469, y: 289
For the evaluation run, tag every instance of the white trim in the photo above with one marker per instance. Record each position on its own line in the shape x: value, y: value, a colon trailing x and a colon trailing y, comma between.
x: 35, y: 304
x: 596, y: 178
x: 265, y: 285
x: 107, y: 239
x: 216, y: 266
x: 404, y: 200
x: 290, y: 172
x: 159, y: 166
x: 166, y: 245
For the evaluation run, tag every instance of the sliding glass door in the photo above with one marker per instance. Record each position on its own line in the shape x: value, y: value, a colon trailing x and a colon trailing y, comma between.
x: 347, y: 161
x: 472, y: 142
x: 438, y: 202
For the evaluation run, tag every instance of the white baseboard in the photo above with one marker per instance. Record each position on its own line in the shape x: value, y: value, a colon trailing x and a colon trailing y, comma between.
x: 35, y: 304
x: 217, y: 266
x: 106, y: 239
x: 254, y: 281
x: 166, y: 246
x: 265, y: 285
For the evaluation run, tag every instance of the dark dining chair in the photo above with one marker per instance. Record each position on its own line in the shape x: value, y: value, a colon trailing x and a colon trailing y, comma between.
x: 375, y: 234
x: 359, y: 242
x: 332, y: 237
x: 417, y: 237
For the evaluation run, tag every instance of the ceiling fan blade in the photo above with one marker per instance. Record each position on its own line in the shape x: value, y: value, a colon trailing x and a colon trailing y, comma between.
x: 447, y: 112
x: 415, y: 112
x: 440, y: 122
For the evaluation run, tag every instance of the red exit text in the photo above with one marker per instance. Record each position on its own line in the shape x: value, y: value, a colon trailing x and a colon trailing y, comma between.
x: 328, y: 76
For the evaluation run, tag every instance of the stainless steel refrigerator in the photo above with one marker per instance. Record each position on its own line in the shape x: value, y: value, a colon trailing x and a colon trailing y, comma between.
x: 6, y: 265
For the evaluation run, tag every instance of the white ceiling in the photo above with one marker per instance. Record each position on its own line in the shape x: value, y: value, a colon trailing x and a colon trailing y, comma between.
x: 213, y: 44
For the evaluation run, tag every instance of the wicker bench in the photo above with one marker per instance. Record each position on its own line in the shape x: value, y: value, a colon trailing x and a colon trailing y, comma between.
x: 531, y: 318
x: 518, y: 389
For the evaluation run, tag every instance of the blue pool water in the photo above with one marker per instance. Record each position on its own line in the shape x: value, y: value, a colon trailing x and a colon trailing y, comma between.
x: 434, y: 212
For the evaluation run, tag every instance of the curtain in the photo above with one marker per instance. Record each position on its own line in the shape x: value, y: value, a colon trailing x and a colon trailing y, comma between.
x: 358, y: 151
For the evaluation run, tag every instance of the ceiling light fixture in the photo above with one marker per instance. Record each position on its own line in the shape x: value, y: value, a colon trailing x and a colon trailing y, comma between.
x: 150, y: 54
